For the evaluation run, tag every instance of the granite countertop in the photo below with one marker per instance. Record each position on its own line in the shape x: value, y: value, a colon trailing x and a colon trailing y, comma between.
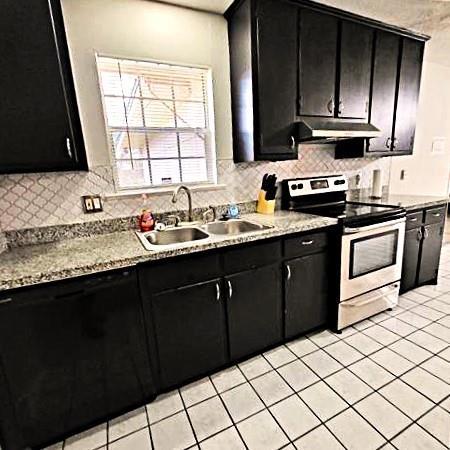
x: 41, y: 263
x: 409, y: 202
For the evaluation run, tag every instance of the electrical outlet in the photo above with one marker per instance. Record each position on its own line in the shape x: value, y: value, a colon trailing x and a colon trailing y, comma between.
x: 92, y: 203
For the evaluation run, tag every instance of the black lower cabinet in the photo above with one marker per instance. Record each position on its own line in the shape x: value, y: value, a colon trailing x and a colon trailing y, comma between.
x: 71, y: 355
x: 423, y: 243
x: 254, y: 306
x: 411, y: 255
x: 306, y: 293
x: 189, y: 325
x: 431, y: 253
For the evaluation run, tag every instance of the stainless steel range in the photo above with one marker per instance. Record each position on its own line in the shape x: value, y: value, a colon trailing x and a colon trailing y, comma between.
x: 371, y: 250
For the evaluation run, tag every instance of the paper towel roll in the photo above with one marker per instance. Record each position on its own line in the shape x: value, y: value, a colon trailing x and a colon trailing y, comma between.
x: 377, y: 185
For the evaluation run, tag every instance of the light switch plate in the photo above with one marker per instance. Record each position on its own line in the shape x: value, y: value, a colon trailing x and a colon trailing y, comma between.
x: 92, y: 203
x: 438, y: 145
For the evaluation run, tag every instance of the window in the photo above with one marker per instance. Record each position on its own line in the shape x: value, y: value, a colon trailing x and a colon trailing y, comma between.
x: 159, y: 124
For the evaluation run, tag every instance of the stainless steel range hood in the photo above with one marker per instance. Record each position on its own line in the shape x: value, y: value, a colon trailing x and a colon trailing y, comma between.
x: 323, y: 130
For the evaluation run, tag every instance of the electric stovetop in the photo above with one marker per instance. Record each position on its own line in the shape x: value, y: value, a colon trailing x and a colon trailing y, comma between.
x: 326, y: 196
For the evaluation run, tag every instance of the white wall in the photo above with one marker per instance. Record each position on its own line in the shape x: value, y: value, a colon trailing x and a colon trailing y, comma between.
x: 148, y: 30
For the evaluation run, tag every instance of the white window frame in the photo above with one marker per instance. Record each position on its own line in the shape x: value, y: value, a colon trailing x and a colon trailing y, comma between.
x: 211, y: 154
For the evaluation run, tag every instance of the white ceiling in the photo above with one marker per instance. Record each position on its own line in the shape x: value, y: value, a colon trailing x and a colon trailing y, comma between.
x: 420, y: 15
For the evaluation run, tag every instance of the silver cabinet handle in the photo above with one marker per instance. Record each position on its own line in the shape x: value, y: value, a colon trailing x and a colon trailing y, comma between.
x: 308, y: 242
x: 426, y: 234
x: 437, y: 214
x: 69, y: 148
x: 330, y: 105
x: 419, y: 234
x: 413, y: 219
x: 341, y: 107
x: 292, y: 142
x: 217, y: 292
x: 388, y: 142
x: 5, y: 300
x: 394, y: 146
x: 230, y: 289
x: 288, y: 272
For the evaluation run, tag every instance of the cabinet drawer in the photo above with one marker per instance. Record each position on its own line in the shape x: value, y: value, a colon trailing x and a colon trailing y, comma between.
x: 414, y: 220
x: 251, y: 256
x: 304, y: 245
x: 173, y: 273
x: 435, y: 215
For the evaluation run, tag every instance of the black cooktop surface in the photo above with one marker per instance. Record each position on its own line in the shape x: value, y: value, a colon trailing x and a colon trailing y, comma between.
x: 352, y: 211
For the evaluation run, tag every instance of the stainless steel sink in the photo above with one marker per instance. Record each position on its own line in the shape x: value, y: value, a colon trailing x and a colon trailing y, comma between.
x: 233, y: 227
x: 171, y: 237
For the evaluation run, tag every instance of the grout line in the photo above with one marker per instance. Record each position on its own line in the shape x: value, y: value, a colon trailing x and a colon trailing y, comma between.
x: 226, y: 409
x: 266, y: 406
x: 188, y: 417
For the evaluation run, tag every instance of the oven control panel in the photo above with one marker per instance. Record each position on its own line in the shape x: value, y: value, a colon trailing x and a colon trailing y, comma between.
x: 317, y: 185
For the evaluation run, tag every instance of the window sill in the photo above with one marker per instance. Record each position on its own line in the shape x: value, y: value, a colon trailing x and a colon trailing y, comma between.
x: 162, y: 191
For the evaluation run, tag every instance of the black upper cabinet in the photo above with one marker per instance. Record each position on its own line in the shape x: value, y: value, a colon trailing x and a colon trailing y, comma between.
x: 189, y: 327
x: 385, y: 68
x: 72, y: 353
x: 254, y: 304
x: 263, y: 53
x: 408, y: 95
x: 355, y: 70
x: 294, y: 59
x: 277, y: 77
x: 41, y: 129
x: 317, y: 63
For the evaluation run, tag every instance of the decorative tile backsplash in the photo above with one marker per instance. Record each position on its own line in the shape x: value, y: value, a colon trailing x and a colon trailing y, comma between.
x: 36, y: 200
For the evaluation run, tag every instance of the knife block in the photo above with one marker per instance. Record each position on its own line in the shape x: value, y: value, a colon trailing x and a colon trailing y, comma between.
x: 265, y: 206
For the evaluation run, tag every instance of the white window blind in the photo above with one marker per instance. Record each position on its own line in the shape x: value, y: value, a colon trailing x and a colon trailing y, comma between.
x: 159, y: 122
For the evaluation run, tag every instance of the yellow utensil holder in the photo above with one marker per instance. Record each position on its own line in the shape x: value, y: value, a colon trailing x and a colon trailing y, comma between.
x: 265, y: 206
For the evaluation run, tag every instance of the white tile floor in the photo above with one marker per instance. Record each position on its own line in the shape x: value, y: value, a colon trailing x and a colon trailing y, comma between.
x: 384, y: 383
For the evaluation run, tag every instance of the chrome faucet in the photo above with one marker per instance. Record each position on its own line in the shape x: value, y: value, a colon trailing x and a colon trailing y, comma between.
x: 189, y: 195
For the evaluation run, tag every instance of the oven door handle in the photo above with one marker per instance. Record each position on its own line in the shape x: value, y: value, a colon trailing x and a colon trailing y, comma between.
x: 350, y: 230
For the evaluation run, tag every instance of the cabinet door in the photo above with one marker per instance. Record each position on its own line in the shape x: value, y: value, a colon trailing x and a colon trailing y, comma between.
x: 408, y: 95
x: 73, y: 355
x: 413, y: 239
x: 254, y: 304
x: 356, y: 63
x: 431, y: 252
x: 385, y: 70
x: 317, y: 70
x: 190, y: 334
x: 306, y: 294
x: 40, y: 125
x: 277, y: 27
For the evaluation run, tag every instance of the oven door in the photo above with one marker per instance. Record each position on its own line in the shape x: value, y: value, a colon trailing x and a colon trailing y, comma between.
x: 371, y: 257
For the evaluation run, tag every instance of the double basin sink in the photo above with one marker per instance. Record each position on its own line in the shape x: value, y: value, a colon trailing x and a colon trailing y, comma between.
x: 185, y: 234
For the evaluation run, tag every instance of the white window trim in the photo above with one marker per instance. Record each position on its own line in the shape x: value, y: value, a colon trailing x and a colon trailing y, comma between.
x: 161, y: 189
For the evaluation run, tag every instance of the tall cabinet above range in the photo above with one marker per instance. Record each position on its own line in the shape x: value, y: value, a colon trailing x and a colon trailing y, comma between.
x: 302, y: 72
